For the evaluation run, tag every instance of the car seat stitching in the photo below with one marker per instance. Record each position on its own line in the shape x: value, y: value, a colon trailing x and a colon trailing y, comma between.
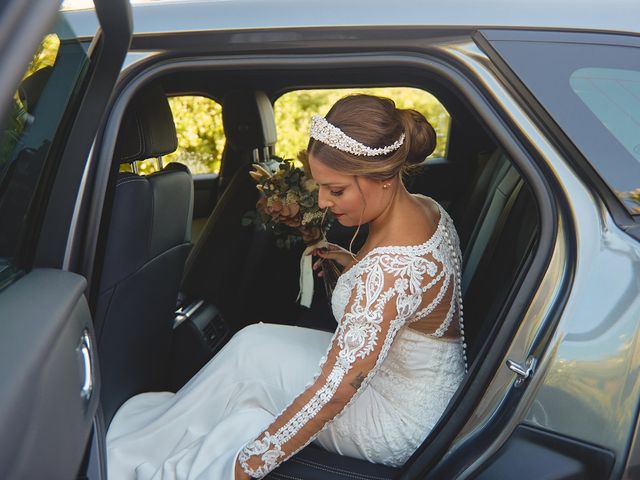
x: 130, y: 180
x: 141, y: 149
x: 285, y: 476
x: 337, y: 470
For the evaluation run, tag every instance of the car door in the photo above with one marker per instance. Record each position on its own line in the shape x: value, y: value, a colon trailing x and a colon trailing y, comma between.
x: 53, y: 90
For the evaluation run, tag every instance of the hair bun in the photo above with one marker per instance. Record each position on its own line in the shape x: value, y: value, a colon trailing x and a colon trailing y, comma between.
x: 420, y: 135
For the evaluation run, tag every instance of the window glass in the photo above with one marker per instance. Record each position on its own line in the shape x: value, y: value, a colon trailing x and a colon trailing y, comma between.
x: 592, y: 91
x: 294, y: 110
x: 200, y: 136
x: 613, y: 95
x: 31, y: 138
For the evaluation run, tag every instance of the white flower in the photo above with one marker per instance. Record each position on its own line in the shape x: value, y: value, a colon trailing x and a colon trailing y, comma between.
x: 309, y: 217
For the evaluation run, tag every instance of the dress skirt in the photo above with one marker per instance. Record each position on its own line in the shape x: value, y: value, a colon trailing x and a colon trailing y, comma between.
x: 197, y: 432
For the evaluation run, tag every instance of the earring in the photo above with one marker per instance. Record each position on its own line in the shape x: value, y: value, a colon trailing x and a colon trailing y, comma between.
x: 385, y: 185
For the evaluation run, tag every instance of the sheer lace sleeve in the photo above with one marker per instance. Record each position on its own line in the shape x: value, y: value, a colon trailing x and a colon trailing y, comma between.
x: 387, y: 292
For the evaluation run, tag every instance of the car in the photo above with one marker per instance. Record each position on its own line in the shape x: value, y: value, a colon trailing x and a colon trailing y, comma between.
x: 104, y: 293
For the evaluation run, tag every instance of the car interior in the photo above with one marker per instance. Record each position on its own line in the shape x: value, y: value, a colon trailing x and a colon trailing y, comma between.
x: 164, y: 304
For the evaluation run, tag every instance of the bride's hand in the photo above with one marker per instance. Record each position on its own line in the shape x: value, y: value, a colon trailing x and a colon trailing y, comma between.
x: 333, y: 252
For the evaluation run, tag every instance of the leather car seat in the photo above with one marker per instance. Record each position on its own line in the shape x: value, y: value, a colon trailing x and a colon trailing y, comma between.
x: 215, y: 267
x: 147, y: 243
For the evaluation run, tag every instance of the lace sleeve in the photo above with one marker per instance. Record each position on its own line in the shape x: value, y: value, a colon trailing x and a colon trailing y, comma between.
x: 387, y: 292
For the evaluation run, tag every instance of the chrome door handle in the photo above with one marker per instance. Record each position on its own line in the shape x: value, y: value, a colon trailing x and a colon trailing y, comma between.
x: 524, y: 372
x: 84, y: 349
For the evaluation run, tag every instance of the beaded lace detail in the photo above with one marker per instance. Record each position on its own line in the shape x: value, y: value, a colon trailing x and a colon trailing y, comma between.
x: 331, y: 135
x: 388, y: 290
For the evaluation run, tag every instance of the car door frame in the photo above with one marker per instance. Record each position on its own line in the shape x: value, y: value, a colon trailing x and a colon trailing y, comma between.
x: 50, y: 382
x: 466, y: 401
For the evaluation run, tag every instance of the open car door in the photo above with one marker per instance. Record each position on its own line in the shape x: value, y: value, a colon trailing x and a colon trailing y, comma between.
x: 53, y: 92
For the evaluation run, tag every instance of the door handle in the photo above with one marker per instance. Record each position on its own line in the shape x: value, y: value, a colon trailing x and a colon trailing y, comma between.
x: 524, y: 372
x: 84, y: 350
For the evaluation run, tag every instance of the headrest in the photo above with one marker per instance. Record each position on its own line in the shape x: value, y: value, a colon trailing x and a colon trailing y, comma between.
x: 147, y: 129
x: 249, y: 121
x: 31, y: 87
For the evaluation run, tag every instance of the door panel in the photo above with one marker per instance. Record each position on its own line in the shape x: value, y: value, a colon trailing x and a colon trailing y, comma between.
x: 49, y: 384
x: 535, y: 453
x: 48, y: 369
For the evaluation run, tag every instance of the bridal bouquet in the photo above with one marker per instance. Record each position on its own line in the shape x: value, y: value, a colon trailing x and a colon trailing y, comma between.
x: 289, y: 203
x: 288, y: 207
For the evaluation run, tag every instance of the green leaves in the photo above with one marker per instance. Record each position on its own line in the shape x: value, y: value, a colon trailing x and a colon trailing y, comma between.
x: 294, y: 110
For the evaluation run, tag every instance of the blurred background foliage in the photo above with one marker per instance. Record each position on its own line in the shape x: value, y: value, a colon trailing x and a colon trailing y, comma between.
x: 46, y: 54
x: 201, y: 134
x: 18, y: 117
x: 294, y: 110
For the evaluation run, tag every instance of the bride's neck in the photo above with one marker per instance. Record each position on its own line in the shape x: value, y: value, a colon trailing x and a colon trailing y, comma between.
x: 383, y: 224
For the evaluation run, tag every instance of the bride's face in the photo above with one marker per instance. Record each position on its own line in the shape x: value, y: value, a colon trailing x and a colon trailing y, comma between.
x: 351, y: 201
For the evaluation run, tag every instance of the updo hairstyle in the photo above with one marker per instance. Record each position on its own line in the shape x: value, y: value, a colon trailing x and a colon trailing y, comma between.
x: 376, y: 122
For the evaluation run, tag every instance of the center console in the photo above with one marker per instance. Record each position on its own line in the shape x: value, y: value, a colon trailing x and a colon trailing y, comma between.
x: 199, y: 332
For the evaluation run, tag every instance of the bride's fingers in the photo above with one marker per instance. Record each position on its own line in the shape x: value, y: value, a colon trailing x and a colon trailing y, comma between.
x: 332, y: 255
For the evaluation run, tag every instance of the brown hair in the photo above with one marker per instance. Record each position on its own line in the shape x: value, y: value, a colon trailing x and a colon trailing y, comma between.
x: 376, y: 122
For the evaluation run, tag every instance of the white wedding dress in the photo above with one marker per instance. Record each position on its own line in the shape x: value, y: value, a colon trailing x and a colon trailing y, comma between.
x: 380, y: 387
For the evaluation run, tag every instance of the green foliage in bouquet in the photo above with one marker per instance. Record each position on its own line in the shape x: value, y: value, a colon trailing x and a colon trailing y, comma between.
x: 288, y: 206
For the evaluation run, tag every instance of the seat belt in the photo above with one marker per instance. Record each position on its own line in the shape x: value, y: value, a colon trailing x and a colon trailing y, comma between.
x: 496, y: 177
x: 500, y: 205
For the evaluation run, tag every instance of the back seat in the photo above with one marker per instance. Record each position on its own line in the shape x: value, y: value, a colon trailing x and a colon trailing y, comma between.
x: 497, y: 272
x: 497, y: 229
x: 469, y: 211
x: 502, y: 187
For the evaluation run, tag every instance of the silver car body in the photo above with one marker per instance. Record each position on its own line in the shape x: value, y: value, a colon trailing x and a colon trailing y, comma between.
x: 586, y: 382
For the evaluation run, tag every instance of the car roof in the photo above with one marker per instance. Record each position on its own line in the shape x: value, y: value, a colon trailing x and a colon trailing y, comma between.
x: 193, y: 15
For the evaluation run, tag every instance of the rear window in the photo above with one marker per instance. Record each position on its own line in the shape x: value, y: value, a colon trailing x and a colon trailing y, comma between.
x: 294, y: 109
x: 592, y: 91
x: 200, y: 135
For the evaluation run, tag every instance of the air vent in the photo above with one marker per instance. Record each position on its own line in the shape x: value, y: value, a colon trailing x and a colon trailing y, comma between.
x: 214, y: 332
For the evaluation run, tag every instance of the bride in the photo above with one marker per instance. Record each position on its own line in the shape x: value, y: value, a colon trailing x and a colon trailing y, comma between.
x: 376, y: 387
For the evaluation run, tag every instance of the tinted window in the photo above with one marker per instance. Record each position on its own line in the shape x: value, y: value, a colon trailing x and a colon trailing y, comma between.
x: 593, y: 92
x: 31, y: 139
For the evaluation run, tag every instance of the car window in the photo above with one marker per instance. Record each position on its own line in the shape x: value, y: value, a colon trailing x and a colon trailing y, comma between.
x: 613, y: 95
x: 294, y: 109
x: 32, y: 137
x: 200, y: 136
x: 593, y: 93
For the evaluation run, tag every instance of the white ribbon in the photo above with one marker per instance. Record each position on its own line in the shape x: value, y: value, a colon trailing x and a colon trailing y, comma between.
x: 306, y: 273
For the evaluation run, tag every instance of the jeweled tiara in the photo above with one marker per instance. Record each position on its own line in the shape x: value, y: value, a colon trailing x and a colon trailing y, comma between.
x: 329, y: 134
